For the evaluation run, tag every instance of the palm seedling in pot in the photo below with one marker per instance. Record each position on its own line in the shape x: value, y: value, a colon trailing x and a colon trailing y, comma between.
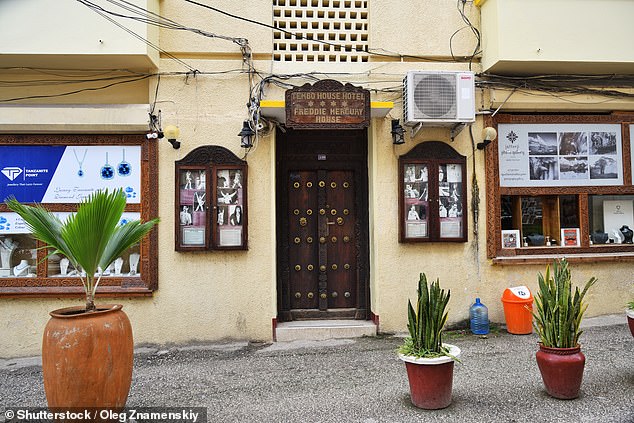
x: 87, y: 352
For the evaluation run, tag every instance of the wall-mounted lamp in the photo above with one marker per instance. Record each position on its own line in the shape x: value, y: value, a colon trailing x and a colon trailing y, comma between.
x: 488, y: 134
x: 246, y: 135
x: 397, y: 132
x: 172, y: 132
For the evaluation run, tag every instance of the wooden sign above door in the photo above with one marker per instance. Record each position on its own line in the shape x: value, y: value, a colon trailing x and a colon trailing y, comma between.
x: 328, y: 104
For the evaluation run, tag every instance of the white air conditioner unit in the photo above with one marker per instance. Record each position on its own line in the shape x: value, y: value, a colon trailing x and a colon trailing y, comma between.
x: 438, y: 98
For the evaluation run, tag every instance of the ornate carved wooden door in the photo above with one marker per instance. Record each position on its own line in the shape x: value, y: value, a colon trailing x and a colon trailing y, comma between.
x: 323, y: 243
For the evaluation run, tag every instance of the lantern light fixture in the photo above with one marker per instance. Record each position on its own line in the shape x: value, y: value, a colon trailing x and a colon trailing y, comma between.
x: 246, y: 135
x: 397, y: 132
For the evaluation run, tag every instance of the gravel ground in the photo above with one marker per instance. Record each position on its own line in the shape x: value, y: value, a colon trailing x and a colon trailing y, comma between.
x: 362, y: 380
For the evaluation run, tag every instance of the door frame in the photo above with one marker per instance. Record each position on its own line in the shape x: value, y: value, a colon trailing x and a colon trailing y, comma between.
x: 343, y: 150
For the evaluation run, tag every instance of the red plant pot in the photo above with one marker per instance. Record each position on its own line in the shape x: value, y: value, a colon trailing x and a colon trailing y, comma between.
x: 630, y: 320
x: 431, y: 379
x: 562, y: 370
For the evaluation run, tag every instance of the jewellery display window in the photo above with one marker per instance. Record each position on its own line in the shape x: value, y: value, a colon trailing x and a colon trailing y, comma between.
x: 432, y: 200
x: 211, y: 200
x: 58, y: 172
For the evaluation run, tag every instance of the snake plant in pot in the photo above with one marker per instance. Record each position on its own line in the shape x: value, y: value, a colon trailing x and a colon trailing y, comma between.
x: 557, y: 322
x: 429, y: 362
x: 87, y: 351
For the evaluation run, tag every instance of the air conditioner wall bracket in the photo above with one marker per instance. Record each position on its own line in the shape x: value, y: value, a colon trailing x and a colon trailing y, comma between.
x: 456, y: 129
x: 416, y: 129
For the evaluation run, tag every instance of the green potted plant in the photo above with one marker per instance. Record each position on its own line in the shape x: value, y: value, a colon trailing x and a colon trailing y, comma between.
x: 429, y: 362
x: 629, y: 311
x: 557, y: 322
x: 87, y: 352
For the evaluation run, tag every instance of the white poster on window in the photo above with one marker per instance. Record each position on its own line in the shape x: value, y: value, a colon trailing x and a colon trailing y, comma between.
x: 617, y: 213
x: 11, y: 223
x: 68, y: 174
x: 559, y: 155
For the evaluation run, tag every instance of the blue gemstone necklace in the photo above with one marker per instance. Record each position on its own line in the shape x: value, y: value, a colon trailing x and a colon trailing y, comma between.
x: 80, y: 172
x: 107, y: 171
x: 124, y: 168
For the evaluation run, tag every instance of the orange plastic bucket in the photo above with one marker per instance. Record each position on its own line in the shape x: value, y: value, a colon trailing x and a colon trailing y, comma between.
x: 518, y: 305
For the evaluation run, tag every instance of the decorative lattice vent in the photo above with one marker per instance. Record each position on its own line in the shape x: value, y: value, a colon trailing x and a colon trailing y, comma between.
x: 325, y: 30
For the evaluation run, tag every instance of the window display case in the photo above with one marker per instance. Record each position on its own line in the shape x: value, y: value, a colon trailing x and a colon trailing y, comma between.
x: 564, y: 184
x: 211, y: 200
x: 432, y: 200
x: 63, y: 170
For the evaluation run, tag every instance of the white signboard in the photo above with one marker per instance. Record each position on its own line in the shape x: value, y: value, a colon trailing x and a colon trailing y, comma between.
x: 12, y: 223
x: 532, y: 155
x: 68, y: 174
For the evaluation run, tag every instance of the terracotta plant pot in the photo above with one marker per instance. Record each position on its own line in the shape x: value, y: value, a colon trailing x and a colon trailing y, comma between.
x: 562, y: 370
x: 431, y: 379
x: 87, y: 358
x: 630, y: 320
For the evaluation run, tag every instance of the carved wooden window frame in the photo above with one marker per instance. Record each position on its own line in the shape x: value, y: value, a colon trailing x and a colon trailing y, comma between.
x: 585, y: 251
x: 209, y: 160
x: 117, y: 286
x: 432, y: 154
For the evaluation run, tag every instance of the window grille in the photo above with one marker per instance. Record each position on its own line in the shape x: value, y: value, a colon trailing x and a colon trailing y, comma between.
x: 320, y: 30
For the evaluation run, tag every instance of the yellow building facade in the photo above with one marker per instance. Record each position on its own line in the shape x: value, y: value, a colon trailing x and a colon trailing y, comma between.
x: 103, y: 78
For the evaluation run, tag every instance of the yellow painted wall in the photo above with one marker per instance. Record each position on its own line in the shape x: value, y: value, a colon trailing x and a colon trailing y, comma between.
x: 219, y: 295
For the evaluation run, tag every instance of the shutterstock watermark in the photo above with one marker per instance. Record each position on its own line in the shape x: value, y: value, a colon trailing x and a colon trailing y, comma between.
x: 129, y: 414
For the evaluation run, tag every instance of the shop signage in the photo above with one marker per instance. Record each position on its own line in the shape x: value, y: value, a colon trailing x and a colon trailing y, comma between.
x: 68, y: 174
x: 327, y: 104
x: 538, y: 155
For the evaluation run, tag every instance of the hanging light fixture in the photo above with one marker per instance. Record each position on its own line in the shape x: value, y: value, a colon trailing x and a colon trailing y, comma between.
x: 397, y: 132
x: 246, y: 135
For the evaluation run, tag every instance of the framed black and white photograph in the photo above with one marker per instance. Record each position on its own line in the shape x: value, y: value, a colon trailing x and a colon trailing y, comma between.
x: 542, y: 143
x: 422, y: 173
x: 544, y: 168
x: 227, y: 196
x: 223, y: 215
x: 455, y: 191
x: 410, y: 173
x: 424, y: 194
x: 442, y: 173
x: 411, y: 190
x: 416, y: 212
x: 603, y: 143
x: 557, y: 155
x: 454, y: 173
x: 236, y: 179
x: 573, y: 167
x: 510, y: 238
x: 224, y: 180
x: 186, y: 215
x: 573, y: 143
x: 603, y: 167
x: 235, y: 215
x: 443, y: 189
